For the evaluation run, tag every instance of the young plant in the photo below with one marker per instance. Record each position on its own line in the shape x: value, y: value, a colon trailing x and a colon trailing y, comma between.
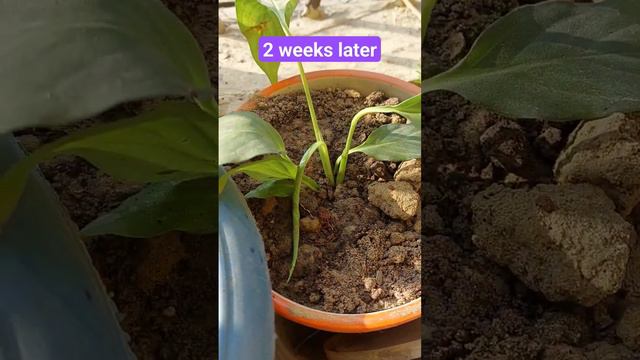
x: 102, y: 53
x: 278, y: 175
x: 258, y: 18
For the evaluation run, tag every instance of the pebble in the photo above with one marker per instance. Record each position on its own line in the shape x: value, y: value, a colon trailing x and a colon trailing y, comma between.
x: 397, y: 199
x: 550, y: 239
x: 310, y: 224
x: 397, y: 254
x: 605, y: 152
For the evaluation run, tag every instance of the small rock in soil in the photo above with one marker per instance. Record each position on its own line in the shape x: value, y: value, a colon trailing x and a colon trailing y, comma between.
x: 397, y: 254
x: 605, y: 152
x: 487, y: 173
x: 314, y: 297
x: 396, y: 238
x: 411, y: 172
x: 506, y: 144
x: 629, y: 327
x: 391, y: 101
x: 310, y: 224
x: 454, y: 45
x: 352, y: 93
x: 549, y: 142
x: 369, y: 283
x: 376, y: 293
x: 377, y: 170
x: 565, y: 241
x: 398, y: 199
x: 513, y: 179
x: 374, y: 98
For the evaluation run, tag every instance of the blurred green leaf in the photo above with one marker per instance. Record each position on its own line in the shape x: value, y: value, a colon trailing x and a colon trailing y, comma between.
x: 176, y: 141
x: 555, y: 60
x: 270, y: 168
x: 410, y: 109
x: 189, y: 206
x: 244, y: 135
x: 67, y: 60
x: 295, y: 211
x: 258, y: 18
x: 427, y: 7
x: 392, y: 142
x: 272, y: 188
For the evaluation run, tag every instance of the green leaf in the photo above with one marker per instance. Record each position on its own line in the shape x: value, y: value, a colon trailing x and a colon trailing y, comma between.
x: 189, y: 206
x: 295, y: 213
x: 270, y: 168
x: 410, y: 109
x: 556, y: 60
x: 392, y: 142
x: 244, y: 135
x: 258, y: 18
x: 67, y: 60
x: 272, y: 188
x: 176, y: 141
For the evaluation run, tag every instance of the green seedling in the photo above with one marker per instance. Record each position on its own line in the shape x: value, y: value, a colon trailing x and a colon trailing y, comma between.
x: 393, y: 142
x: 172, y: 148
x: 276, y: 173
x: 258, y: 18
x: 296, y: 203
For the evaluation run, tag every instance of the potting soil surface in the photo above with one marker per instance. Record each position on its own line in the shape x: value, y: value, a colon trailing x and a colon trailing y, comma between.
x: 472, y: 307
x: 353, y: 258
x: 163, y: 287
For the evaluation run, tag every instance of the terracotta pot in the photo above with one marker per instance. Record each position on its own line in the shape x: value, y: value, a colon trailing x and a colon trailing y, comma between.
x: 364, y: 82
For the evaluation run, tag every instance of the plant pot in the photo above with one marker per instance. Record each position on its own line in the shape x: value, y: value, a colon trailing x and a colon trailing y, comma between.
x: 364, y: 82
x: 53, y: 304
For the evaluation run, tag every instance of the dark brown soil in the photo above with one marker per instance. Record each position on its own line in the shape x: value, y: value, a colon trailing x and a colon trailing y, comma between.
x: 164, y: 288
x: 472, y: 308
x: 349, y: 261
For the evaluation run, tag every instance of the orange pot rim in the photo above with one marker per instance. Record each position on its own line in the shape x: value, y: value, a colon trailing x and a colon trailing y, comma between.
x: 320, y: 74
x: 323, y: 320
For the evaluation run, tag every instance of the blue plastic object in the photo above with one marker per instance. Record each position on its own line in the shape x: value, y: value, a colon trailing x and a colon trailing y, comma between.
x: 246, y: 320
x: 52, y: 303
